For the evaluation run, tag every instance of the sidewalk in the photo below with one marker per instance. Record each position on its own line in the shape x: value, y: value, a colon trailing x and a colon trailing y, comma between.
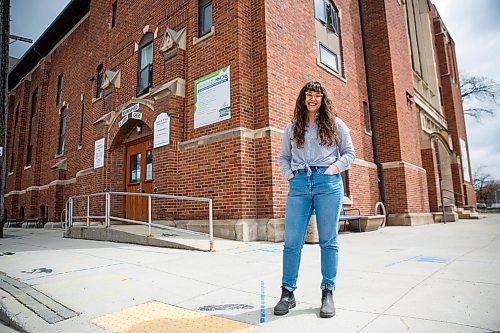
x: 431, y: 278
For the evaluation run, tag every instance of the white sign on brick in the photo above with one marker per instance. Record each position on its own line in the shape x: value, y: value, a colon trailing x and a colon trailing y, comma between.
x: 129, y: 110
x: 161, y: 129
x: 99, y: 154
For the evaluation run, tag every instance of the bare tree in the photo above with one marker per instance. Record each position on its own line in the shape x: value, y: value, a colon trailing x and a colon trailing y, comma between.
x: 482, y: 181
x: 479, y: 89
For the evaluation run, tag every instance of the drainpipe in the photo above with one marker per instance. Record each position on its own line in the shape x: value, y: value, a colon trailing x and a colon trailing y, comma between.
x: 380, y: 170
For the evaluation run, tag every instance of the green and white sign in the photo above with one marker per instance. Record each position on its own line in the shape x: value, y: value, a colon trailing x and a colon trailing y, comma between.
x: 212, y: 98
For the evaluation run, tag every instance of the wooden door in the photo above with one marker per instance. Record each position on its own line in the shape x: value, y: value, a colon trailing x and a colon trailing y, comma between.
x: 138, y: 179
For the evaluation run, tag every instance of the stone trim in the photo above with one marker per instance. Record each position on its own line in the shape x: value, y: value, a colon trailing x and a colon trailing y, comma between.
x: 331, y: 71
x: 365, y: 164
x: 402, y: 164
x: 113, y: 116
x: 104, y: 119
x: 85, y: 172
x: 409, y: 219
x: 174, y: 87
x: 197, y: 40
x: 60, y: 165
x: 80, y: 173
x: 230, y: 134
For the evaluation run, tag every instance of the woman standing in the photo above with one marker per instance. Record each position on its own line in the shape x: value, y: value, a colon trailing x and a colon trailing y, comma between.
x: 315, y: 149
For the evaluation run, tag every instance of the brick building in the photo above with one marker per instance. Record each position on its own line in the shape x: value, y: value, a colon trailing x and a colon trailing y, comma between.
x: 190, y: 98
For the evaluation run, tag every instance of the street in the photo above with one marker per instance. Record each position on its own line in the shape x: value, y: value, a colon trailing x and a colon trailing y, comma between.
x: 430, y: 278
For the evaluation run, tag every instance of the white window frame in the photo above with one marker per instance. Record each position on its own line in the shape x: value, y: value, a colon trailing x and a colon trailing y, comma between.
x: 323, y: 47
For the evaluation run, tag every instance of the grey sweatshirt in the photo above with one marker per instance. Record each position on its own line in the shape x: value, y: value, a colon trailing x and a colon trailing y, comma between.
x: 313, y: 153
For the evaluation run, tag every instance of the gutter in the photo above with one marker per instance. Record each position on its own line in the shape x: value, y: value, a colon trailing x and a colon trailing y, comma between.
x: 380, y: 170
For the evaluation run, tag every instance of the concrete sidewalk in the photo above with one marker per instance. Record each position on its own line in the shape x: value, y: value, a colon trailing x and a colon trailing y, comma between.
x: 431, y: 278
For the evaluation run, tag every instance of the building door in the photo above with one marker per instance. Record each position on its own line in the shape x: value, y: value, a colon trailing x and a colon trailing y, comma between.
x: 139, y: 179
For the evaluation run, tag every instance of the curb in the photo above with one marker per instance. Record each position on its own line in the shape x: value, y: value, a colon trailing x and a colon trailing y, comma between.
x: 11, y: 310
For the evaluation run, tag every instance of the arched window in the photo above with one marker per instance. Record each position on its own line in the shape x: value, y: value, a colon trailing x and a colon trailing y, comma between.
x: 62, y: 130
x: 13, y: 150
x: 21, y: 213
x: 29, y: 152
x: 145, y: 64
x: 99, y: 77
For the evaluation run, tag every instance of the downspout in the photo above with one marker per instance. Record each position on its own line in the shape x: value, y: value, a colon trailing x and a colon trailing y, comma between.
x: 380, y: 170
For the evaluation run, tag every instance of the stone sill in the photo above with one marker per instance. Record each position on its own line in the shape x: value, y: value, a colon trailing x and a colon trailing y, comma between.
x: 197, y: 40
x: 331, y: 71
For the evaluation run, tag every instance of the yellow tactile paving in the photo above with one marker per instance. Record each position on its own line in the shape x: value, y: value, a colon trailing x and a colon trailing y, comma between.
x: 156, y: 317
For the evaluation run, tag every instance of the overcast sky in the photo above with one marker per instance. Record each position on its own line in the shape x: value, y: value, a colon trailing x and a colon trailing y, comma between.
x: 473, y: 24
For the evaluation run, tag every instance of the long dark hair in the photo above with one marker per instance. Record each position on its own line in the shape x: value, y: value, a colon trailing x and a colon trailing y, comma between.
x: 327, y: 129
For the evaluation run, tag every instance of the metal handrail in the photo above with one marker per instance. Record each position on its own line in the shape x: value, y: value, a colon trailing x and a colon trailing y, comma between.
x: 453, y: 199
x: 455, y: 193
x: 381, y: 204
x: 107, y: 217
x: 65, y: 215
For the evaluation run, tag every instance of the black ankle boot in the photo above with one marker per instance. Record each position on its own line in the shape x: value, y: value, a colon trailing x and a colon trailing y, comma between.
x: 286, y: 302
x: 327, y: 305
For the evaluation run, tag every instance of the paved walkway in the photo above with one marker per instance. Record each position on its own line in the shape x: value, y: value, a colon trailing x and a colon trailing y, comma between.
x: 431, y: 278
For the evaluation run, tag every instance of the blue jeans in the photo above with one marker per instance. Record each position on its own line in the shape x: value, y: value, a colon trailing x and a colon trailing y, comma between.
x: 324, y: 194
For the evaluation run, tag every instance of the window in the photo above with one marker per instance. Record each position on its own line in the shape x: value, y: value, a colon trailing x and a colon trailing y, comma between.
x: 145, y: 65
x: 59, y: 88
x: 80, y: 141
x: 366, y: 112
x: 135, y: 168
x: 345, y: 182
x: 328, y: 58
x: 29, y: 153
x: 62, y: 131
x: 325, y: 12
x: 114, y: 9
x: 99, y: 77
x: 149, y: 165
x: 12, y: 153
x: 204, y: 17
x: 328, y: 36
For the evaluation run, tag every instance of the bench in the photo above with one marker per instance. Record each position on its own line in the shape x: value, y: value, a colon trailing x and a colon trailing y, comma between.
x: 17, y: 223
x: 41, y: 222
x: 31, y: 221
x: 36, y: 222
x: 350, y: 217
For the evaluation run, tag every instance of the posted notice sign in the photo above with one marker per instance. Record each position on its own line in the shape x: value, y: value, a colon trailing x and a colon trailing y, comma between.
x: 161, y: 130
x: 212, y: 98
x: 99, y: 154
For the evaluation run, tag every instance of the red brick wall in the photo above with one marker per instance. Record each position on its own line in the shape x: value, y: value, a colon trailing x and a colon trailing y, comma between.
x: 430, y: 165
x: 271, y: 53
x: 396, y: 120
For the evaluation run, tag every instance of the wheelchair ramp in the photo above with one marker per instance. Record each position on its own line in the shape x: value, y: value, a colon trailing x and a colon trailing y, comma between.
x: 169, y: 237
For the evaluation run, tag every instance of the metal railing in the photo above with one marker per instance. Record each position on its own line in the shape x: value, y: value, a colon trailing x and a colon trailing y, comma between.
x: 108, y: 217
x: 456, y: 196
x: 381, y: 206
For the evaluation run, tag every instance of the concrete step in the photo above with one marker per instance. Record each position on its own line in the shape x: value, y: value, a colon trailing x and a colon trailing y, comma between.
x: 162, y: 237
x: 450, y: 217
x: 471, y: 216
